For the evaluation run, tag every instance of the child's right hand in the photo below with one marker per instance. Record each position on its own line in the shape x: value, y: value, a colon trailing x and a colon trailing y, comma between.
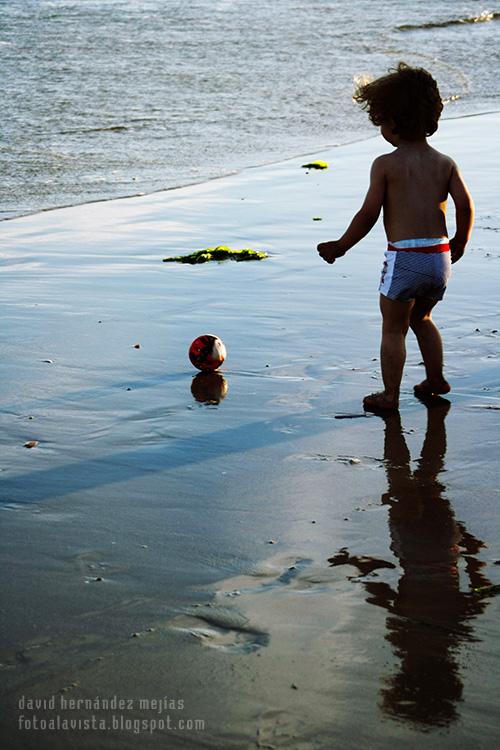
x: 330, y: 251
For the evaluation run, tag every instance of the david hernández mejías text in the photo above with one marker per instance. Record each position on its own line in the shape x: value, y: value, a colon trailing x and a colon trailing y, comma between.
x: 158, y: 705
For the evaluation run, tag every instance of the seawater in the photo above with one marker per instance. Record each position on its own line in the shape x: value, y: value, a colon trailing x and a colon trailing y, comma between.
x: 108, y: 98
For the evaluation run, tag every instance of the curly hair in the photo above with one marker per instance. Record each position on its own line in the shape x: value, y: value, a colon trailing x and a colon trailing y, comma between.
x: 408, y: 96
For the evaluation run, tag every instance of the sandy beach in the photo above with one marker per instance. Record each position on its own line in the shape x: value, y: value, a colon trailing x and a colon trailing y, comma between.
x: 248, y: 562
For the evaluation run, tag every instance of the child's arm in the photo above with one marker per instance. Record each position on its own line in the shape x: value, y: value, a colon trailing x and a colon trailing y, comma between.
x: 464, y: 213
x: 363, y: 221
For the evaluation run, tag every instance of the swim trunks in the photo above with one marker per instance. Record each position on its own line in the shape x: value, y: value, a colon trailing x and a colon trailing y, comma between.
x: 416, y: 268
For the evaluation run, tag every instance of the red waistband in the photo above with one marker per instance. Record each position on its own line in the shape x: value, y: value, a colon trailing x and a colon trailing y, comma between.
x: 442, y: 247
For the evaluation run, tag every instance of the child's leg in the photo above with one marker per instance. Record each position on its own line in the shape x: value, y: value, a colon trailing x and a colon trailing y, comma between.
x: 431, y: 346
x: 395, y: 324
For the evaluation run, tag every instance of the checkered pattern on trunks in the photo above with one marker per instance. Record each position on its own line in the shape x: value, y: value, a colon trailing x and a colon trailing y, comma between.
x: 416, y: 268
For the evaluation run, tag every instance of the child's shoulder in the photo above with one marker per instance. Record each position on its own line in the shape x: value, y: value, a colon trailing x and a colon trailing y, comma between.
x: 395, y: 160
x: 380, y: 164
x: 440, y: 157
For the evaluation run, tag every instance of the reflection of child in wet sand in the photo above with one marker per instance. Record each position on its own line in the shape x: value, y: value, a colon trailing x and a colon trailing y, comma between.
x: 412, y: 185
x: 430, y: 615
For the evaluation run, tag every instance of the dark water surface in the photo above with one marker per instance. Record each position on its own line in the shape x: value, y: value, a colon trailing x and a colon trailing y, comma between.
x: 106, y: 98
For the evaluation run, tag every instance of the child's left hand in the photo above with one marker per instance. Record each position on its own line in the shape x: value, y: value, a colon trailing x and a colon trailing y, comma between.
x: 330, y: 251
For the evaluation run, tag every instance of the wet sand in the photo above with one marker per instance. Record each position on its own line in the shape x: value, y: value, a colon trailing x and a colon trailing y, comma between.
x: 299, y: 574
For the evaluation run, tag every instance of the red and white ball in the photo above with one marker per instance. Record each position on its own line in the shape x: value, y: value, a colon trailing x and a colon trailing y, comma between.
x: 207, y: 352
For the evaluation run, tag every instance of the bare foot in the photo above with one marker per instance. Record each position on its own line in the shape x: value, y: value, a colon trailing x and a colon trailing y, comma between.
x: 426, y: 389
x: 380, y: 402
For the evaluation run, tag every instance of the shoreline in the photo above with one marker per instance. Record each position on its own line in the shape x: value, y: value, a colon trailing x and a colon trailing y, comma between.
x: 308, y: 154
x: 298, y: 573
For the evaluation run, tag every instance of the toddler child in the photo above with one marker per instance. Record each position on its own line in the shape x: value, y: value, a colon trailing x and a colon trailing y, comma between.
x: 411, y: 184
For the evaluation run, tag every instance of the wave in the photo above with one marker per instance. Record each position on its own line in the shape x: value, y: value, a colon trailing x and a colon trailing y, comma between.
x: 134, y: 124
x: 483, y: 17
x: 104, y: 129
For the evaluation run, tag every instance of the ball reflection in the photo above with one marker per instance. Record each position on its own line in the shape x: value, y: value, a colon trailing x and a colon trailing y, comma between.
x: 209, y: 387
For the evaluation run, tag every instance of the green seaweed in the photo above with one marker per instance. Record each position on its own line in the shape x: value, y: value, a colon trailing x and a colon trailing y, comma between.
x: 221, y: 252
x: 315, y: 165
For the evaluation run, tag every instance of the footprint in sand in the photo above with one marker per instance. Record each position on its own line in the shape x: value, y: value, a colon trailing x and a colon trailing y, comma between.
x: 222, y: 628
x: 279, y: 728
x: 226, y: 627
x: 279, y: 572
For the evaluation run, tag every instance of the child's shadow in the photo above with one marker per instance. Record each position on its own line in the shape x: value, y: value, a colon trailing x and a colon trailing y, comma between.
x: 429, y: 615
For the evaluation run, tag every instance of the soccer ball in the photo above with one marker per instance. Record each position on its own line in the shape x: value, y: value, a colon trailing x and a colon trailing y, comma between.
x: 207, y: 352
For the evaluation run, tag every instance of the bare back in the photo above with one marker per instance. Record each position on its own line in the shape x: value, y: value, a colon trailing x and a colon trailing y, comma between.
x: 417, y: 180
